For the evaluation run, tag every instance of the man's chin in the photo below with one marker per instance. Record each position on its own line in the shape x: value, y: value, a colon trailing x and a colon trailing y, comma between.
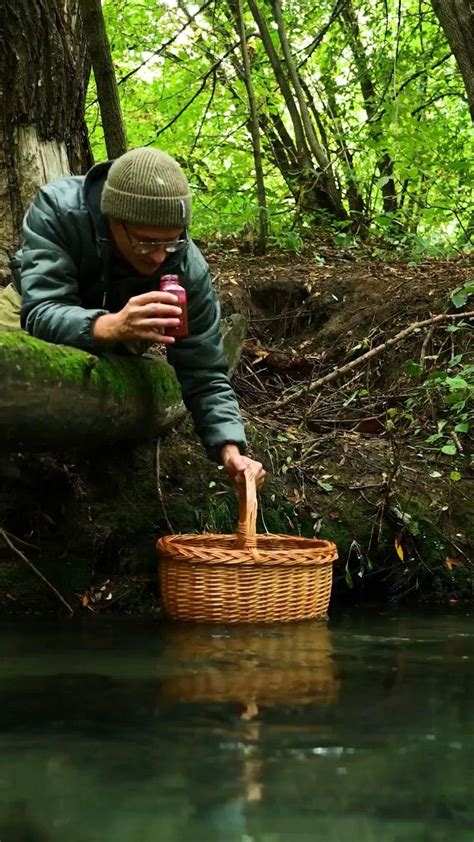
x: 148, y: 268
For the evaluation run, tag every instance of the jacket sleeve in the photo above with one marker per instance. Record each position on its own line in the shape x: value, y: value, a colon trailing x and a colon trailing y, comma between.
x: 51, y: 306
x: 202, y: 370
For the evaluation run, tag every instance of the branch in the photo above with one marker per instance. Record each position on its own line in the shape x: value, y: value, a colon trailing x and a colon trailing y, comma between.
x: 198, y: 92
x: 319, y: 37
x: 159, y: 50
x: 203, y: 119
x: 374, y: 352
x: 30, y: 564
x: 424, y: 71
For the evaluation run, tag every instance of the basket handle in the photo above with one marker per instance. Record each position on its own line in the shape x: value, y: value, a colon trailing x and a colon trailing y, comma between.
x: 247, y: 526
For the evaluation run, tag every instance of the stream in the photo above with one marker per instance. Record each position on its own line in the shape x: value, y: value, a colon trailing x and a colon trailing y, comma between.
x: 136, y: 730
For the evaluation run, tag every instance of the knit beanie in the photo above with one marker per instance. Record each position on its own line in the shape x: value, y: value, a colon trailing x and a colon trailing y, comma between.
x: 147, y: 187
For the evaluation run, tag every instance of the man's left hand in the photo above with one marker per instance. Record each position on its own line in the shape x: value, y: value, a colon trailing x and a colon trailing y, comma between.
x: 235, y: 464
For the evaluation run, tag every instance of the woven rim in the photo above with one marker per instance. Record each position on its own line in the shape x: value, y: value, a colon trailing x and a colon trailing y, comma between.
x: 284, y: 550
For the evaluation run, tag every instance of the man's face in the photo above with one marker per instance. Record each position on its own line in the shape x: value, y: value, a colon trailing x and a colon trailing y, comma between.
x: 131, y: 240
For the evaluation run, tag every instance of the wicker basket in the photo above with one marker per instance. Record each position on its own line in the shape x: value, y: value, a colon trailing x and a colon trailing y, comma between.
x: 245, y: 578
x: 280, y: 665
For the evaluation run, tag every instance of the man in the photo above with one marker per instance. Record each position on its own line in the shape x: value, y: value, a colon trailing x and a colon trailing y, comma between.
x: 93, y: 251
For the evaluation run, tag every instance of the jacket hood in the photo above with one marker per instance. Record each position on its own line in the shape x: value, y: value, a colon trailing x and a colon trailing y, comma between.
x: 93, y: 186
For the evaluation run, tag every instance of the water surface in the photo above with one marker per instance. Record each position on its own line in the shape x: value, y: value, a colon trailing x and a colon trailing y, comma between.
x: 138, y: 731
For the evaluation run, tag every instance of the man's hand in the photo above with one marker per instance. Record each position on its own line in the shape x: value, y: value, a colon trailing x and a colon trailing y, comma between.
x: 144, y: 317
x: 235, y: 464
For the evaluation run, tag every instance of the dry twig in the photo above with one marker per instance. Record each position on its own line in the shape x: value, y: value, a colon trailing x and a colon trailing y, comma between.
x: 339, y: 372
x: 158, y: 487
x: 5, y: 536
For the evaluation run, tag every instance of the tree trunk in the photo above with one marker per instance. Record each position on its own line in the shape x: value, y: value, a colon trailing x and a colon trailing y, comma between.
x: 384, y: 162
x: 254, y: 131
x: 457, y: 21
x: 106, y: 83
x: 120, y: 398
x: 43, y: 79
x: 327, y: 174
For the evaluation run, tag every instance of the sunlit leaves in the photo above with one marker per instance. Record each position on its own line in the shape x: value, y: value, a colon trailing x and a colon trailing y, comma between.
x: 183, y: 92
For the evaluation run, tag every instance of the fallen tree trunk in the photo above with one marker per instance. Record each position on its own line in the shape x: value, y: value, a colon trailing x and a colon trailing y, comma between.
x: 55, y: 396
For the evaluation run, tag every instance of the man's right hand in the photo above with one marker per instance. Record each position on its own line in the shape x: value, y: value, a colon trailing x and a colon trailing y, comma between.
x: 144, y: 317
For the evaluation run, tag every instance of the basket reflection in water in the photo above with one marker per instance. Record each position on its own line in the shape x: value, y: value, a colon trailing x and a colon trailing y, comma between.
x: 245, y: 578
x: 277, y: 665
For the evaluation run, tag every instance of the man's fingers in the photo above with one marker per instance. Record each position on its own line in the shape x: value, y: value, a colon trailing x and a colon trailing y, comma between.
x: 154, y: 297
x: 150, y: 311
x: 156, y: 324
x: 155, y: 336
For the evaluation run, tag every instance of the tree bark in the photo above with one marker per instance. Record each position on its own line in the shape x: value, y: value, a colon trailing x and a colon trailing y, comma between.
x: 254, y: 131
x: 457, y: 21
x: 120, y: 398
x: 384, y: 162
x: 327, y: 174
x: 43, y: 79
x: 104, y: 73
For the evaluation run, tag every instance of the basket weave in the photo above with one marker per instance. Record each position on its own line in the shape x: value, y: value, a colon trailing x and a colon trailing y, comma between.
x: 245, y: 578
x: 284, y: 665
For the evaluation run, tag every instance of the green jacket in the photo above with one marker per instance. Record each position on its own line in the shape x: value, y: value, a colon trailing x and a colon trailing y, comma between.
x: 68, y: 274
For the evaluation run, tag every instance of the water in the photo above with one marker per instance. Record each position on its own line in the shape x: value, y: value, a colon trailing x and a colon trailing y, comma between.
x: 134, y: 731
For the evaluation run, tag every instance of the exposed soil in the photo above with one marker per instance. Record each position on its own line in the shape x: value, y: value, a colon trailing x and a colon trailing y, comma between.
x: 301, y: 307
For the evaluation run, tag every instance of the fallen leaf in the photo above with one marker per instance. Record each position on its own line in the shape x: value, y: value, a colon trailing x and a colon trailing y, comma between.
x: 399, y: 548
x: 453, y: 562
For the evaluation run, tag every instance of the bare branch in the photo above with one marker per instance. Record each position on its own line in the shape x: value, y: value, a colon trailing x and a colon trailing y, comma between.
x: 374, y: 352
x: 5, y: 536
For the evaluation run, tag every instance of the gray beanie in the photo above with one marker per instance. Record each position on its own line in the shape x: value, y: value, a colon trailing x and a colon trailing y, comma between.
x: 147, y: 187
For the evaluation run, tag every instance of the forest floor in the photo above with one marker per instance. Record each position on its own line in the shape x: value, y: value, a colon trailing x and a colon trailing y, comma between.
x: 347, y: 460
x: 354, y: 451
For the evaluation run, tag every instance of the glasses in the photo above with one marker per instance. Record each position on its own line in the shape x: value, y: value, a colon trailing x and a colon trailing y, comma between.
x: 149, y: 246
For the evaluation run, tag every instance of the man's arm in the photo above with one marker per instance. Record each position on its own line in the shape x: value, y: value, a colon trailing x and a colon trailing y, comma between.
x: 202, y: 370
x: 51, y: 306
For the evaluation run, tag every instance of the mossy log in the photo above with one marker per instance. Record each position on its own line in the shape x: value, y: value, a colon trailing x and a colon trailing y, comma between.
x: 56, y: 396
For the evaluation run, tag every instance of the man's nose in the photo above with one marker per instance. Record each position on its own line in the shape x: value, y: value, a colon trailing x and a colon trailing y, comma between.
x: 158, y: 255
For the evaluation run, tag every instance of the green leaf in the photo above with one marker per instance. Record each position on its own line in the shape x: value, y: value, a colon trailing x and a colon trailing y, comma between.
x: 455, y: 476
x: 459, y: 299
x: 435, y: 437
x: 457, y: 382
x: 449, y: 449
x: 326, y: 486
x: 462, y: 428
x: 413, y: 368
x: 459, y: 296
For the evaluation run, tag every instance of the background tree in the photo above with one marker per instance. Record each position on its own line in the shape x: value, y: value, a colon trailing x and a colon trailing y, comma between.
x: 254, y: 130
x: 44, y: 72
x: 457, y: 19
x: 104, y: 74
x: 361, y: 113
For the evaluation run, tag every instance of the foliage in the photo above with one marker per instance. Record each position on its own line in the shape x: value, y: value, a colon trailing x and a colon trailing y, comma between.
x: 386, y: 101
x: 449, y: 389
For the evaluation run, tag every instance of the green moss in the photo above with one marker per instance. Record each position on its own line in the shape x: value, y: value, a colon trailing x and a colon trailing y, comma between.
x: 120, y: 376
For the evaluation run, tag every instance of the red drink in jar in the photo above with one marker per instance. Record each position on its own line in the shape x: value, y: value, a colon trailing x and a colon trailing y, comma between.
x: 170, y: 283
